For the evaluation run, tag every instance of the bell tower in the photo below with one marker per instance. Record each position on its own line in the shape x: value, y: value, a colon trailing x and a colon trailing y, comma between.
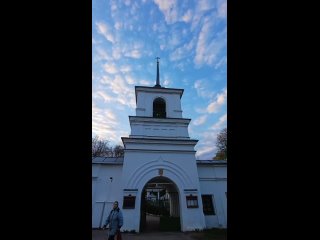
x: 159, y: 145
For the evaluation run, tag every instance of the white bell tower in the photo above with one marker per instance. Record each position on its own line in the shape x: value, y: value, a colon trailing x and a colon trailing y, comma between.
x: 159, y: 146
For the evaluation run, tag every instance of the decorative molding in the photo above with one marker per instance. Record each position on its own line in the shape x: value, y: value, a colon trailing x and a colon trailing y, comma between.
x: 190, y: 190
x: 212, y: 179
x: 130, y: 190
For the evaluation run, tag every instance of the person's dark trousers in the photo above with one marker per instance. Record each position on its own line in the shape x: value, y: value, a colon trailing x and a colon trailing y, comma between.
x: 111, y: 237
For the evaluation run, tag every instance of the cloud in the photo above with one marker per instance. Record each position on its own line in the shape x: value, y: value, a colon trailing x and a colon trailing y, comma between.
x: 113, y: 6
x: 103, y: 95
x: 204, y: 5
x: 206, y: 147
x: 200, y: 120
x: 118, y: 25
x: 203, y: 89
x: 116, y: 53
x: 206, y: 152
x: 133, y: 54
x: 145, y: 83
x: 130, y: 80
x: 110, y: 68
x: 125, y: 68
x: 174, y: 39
x: 201, y: 110
x: 184, y: 51
x: 127, y: 2
x: 221, y: 123
x: 209, y: 46
x: 222, y: 9
x: 102, y: 54
x: 220, y: 100
x: 104, y: 30
x: 124, y: 94
x: 166, y: 82
x: 169, y: 10
x: 104, y: 123
x: 187, y: 16
x: 159, y: 27
x: 222, y: 62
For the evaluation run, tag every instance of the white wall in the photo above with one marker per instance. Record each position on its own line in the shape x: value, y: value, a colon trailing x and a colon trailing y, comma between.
x: 145, y: 104
x: 213, y: 180
x: 140, y: 167
x: 105, y: 191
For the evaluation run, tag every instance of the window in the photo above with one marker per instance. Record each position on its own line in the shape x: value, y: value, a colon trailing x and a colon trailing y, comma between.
x: 159, y: 108
x: 192, y: 201
x: 207, y: 205
x: 129, y: 202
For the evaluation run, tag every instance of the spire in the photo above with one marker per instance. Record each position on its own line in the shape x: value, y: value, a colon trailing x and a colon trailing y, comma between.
x: 158, y: 75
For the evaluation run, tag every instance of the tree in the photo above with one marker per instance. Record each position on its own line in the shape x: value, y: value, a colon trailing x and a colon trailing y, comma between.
x: 118, y: 151
x: 221, y: 145
x: 100, y: 148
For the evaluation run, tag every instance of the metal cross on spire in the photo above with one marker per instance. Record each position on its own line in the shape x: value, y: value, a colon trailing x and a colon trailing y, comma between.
x: 158, y: 74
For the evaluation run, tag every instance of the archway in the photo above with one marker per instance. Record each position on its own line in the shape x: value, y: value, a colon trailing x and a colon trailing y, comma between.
x: 160, y: 208
x: 159, y: 108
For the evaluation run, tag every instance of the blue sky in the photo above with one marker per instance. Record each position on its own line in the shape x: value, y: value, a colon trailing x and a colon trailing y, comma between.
x: 190, y: 37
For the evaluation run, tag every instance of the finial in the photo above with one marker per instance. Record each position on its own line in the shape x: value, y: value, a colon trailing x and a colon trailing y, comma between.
x: 158, y: 74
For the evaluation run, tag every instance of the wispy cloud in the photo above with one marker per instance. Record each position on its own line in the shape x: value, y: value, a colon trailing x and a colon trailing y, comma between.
x: 220, y: 100
x: 222, y: 9
x: 110, y: 68
x: 206, y: 147
x: 202, y: 49
x: 204, y: 5
x: 166, y: 82
x: 104, y: 123
x: 103, y: 95
x: 169, y: 10
x: 118, y: 25
x: 127, y: 2
x: 116, y: 52
x: 133, y: 54
x: 187, y: 16
x: 124, y: 94
x: 205, y: 152
x: 200, y: 120
x: 201, y: 7
x: 104, y: 30
x: 184, y: 51
x: 210, y: 42
x: 145, y: 83
x: 125, y: 68
x: 222, y: 62
x: 202, y: 89
x: 221, y: 123
x: 130, y: 80
x: 102, y: 54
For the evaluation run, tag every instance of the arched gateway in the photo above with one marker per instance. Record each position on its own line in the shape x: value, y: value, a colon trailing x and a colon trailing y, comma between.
x: 160, y: 151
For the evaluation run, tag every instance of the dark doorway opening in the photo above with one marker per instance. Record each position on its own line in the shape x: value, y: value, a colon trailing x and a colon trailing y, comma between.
x: 160, y: 208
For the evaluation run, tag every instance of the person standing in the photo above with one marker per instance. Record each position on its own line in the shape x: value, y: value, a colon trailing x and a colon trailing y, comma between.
x: 115, y: 221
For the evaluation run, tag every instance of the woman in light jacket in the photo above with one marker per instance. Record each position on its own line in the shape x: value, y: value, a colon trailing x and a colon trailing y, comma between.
x: 115, y: 221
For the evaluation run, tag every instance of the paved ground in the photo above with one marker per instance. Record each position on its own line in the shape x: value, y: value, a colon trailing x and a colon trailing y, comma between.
x: 102, y: 235
x: 150, y: 233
